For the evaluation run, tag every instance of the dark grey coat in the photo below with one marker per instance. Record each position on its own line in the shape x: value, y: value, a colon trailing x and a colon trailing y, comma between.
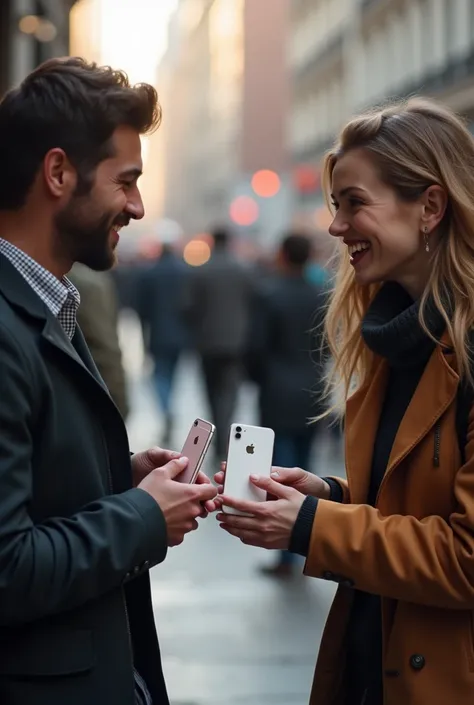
x: 284, y: 351
x: 76, y: 541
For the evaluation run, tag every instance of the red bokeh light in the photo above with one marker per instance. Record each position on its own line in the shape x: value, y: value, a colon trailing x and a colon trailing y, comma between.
x: 307, y: 179
x: 266, y: 183
x: 244, y: 211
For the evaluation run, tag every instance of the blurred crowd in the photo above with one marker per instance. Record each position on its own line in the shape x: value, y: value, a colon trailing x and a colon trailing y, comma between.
x: 259, y: 322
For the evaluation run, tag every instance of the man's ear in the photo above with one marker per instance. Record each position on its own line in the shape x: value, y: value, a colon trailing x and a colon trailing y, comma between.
x: 59, y: 175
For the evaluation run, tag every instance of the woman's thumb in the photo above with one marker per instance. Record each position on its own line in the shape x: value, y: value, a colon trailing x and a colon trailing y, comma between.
x: 284, y: 475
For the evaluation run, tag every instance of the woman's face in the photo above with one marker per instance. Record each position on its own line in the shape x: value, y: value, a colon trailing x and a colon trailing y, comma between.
x: 384, y: 235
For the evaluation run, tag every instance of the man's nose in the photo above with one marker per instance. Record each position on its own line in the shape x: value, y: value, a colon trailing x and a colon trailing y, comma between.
x: 135, y: 208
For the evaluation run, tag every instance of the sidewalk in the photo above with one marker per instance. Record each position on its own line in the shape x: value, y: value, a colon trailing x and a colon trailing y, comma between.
x: 228, y: 635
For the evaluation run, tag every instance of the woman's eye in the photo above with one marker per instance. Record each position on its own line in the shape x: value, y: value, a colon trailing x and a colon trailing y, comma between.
x: 355, y: 202
x: 335, y: 205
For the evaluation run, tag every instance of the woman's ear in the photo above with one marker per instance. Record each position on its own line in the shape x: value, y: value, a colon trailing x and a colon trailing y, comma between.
x: 434, y: 202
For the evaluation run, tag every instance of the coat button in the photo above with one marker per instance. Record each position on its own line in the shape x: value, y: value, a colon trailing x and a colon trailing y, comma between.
x: 347, y: 582
x: 417, y: 662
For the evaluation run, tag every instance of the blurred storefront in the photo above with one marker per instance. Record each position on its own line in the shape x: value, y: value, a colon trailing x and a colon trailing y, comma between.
x: 31, y: 31
x: 224, y: 90
x: 346, y: 55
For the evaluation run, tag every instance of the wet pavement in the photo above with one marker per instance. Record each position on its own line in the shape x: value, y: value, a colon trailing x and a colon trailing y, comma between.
x: 229, y: 636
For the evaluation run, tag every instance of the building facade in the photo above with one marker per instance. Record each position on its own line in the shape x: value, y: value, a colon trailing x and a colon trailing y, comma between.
x: 31, y: 31
x: 224, y: 88
x: 346, y: 55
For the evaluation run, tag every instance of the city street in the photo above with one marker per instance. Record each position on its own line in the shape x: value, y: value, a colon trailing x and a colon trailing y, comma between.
x: 228, y: 634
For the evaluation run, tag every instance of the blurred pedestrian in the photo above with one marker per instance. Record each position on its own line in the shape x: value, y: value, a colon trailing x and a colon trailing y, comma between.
x: 161, y: 289
x: 81, y: 521
x: 285, y: 360
x: 217, y: 306
x: 97, y: 317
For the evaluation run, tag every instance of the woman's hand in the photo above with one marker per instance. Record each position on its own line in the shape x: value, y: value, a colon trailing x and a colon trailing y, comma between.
x: 304, y: 482
x: 298, y: 479
x: 271, y: 523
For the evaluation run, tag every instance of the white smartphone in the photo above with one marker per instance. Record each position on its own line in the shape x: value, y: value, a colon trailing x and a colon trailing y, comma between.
x: 195, y: 448
x: 250, y: 452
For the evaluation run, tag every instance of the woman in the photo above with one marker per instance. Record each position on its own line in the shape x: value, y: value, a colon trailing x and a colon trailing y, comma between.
x: 398, y: 536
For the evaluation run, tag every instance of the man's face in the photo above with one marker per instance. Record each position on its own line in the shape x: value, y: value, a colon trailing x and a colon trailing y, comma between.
x: 87, y: 228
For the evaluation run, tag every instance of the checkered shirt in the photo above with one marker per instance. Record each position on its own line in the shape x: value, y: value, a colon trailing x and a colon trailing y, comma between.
x: 59, y: 295
x: 62, y: 299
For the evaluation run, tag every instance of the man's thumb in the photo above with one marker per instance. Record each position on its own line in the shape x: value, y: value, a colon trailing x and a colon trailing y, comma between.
x: 175, y: 467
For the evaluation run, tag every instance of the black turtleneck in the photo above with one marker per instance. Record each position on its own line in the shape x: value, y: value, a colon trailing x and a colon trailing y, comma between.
x: 390, y: 329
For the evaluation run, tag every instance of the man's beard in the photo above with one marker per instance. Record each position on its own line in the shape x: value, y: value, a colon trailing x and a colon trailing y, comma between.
x: 83, y: 238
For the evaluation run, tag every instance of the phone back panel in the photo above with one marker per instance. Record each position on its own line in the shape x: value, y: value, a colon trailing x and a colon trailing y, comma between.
x: 195, y: 448
x: 252, y: 454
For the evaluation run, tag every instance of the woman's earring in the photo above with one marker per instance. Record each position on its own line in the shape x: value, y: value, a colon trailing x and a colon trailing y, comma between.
x: 427, y: 244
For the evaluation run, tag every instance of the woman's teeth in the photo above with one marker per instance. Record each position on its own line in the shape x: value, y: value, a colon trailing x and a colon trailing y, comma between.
x: 357, y: 247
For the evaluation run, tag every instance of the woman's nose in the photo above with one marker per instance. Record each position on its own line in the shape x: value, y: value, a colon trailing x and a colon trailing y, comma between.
x: 339, y: 226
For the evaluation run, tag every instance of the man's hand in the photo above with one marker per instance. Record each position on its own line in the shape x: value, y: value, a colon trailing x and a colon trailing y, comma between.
x: 298, y: 479
x: 147, y: 460
x: 271, y: 523
x: 180, y: 503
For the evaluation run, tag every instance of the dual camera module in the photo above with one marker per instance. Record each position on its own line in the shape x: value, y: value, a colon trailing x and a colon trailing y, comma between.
x: 238, y: 431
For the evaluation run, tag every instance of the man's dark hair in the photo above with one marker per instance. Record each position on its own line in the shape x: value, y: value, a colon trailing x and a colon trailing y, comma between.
x: 72, y: 105
x: 296, y: 250
x: 221, y: 237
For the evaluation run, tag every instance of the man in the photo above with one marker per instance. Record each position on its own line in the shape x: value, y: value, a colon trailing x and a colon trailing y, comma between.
x: 285, y: 360
x: 80, y: 523
x: 218, y: 307
x: 160, y: 295
x: 97, y: 317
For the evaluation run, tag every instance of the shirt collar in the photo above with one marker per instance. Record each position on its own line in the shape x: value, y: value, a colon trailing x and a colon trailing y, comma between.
x: 53, y: 292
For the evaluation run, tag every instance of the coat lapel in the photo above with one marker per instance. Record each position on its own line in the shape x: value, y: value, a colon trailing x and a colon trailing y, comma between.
x: 78, y: 352
x: 435, y: 392
x: 22, y: 297
x: 362, y: 417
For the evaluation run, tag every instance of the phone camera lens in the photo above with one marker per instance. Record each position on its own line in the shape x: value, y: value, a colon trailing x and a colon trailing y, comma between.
x: 238, y: 435
x: 195, y: 423
x: 238, y: 429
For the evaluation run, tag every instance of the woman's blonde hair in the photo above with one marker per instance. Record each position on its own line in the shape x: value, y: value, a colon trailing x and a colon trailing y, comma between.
x: 414, y: 144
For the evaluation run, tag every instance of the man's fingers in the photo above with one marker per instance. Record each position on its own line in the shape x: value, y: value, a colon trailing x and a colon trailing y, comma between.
x: 211, y: 506
x: 205, y: 492
x: 219, y: 478
x: 160, y: 456
x: 175, y: 467
x: 202, y: 479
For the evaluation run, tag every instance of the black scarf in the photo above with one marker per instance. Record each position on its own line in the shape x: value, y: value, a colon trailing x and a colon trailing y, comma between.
x: 391, y: 327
